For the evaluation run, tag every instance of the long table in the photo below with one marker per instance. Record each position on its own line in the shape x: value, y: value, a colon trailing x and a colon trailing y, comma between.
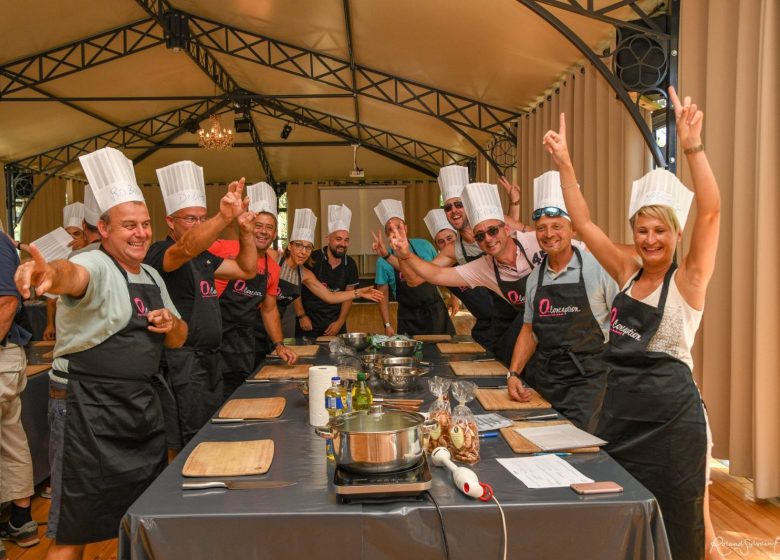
x: 306, y: 520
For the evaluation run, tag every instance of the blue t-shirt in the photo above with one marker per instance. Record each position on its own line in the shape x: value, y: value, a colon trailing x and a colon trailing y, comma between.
x: 385, y: 271
x: 9, y: 261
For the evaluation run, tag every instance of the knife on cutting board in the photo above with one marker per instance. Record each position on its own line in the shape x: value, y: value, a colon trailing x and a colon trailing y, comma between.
x: 236, y: 484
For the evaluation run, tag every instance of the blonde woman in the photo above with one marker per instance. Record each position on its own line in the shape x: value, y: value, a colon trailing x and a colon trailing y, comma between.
x: 653, y: 416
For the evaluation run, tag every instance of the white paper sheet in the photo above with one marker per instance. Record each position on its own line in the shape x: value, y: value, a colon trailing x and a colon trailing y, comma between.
x: 544, y: 471
x: 487, y: 422
x: 54, y: 245
x: 560, y: 436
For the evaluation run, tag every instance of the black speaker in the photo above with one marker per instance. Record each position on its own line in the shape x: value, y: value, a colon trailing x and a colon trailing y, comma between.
x: 243, y: 124
x: 641, y: 61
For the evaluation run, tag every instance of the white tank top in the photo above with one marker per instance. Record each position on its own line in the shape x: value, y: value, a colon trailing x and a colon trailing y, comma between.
x: 677, y: 331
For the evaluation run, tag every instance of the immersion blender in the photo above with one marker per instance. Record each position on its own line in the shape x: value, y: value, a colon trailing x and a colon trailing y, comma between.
x: 464, y: 479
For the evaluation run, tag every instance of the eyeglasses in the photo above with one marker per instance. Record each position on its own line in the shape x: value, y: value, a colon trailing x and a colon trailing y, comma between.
x: 549, y: 211
x: 302, y: 246
x: 190, y: 220
x: 492, y: 231
x: 457, y: 204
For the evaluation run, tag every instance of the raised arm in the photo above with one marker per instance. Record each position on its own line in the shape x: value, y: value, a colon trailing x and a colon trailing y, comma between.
x: 698, y: 265
x: 615, y: 261
x: 514, y: 204
x: 200, y: 238
x: 412, y: 264
x: 338, y: 297
x: 245, y: 264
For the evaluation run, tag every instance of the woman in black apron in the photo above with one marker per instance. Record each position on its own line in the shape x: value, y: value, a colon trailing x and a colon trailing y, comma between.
x: 653, y: 417
x: 570, y: 370
x: 115, y: 442
x: 508, y: 312
x: 421, y: 309
x: 239, y: 304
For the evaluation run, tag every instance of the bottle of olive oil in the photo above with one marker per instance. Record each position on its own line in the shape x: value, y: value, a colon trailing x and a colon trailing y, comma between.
x: 361, y: 394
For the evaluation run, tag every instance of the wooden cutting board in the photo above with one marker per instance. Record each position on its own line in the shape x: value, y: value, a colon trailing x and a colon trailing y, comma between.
x: 521, y: 445
x: 29, y: 371
x: 477, y: 369
x: 498, y: 399
x: 433, y: 337
x: 306, y: 351
x: 326, y: 338
x: 48, y: 355
x: 44, y: 343
x: 260, y: 409
x: 460, y: 348
x: 283, y: 371
x: 230, y: 458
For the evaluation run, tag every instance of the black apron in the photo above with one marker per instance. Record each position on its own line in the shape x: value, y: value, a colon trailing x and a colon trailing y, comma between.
x: 508, y: 313
x: 239, y: 305
x: 570, y: 371
x: 653, y: 420
x: 479, y: 302
x: 114, y: 440
x: 288, y: 293
x: 320, y: 313
x: 193, y: 371
x: 420, y: 309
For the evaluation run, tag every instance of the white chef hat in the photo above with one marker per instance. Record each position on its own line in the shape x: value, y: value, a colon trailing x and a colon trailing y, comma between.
x: 303, y: 225
x: 481, y: 202
x: 112, y: 178
x: 339, y: 217
x: 388, y: 209
x: 436, y: 220
x: 548, y: 192
x: 73, y: 215
x: 262, y: 198
x: 182, y: 186
x: 660, y: 187
x: 452, y: 180
x: 91, y: 208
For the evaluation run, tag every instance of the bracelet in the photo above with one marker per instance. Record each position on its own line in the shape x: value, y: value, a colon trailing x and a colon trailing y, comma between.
x: 275, y: 345
x: 564, y: 188
x: 301, y: 316
x: 511, y: 203
x: 404, y: 258
x: 388, y: 324
x: 357, y: 295
x: 387, y: 256
x: 695, y: 149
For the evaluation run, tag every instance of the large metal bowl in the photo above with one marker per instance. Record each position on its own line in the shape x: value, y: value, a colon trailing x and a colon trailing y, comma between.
x: 401, y: 378
x: 399, y: 348
x: 390, y: 361
x: 356, y: 340
x: 372, y: 361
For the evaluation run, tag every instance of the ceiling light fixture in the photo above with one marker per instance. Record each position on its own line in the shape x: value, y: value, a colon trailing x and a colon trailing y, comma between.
x: 286, y: 131
x: 217, y: 137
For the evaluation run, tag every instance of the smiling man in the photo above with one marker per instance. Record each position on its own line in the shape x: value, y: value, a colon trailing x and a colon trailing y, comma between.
x: 114, y: 318
x: 189, y: 270
x: 566, y: 319
x: 334, y: 270
x: 509, y: 256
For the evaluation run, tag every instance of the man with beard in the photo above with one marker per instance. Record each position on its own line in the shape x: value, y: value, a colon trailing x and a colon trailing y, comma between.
x: 334, y: 270
x: 189, y: 270
x: 240, y: 301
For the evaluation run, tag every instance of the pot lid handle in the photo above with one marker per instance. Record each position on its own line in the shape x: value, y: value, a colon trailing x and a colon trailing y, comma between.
x: 375, y: 409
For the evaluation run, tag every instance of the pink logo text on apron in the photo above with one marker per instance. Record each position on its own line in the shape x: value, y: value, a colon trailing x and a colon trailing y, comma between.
x: 546, y: 309
x: 515, y: 297
x: 207, y: 290
x: 620, y: 329
x: 141, y: 306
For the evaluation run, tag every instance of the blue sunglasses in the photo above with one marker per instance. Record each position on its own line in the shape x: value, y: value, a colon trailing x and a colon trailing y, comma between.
x: 549, y: 211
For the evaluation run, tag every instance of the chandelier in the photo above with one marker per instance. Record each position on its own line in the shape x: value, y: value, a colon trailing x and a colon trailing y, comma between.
x: 217, y: 137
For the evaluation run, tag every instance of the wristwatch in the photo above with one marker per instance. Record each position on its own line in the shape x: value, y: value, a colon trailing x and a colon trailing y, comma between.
x: 513, y: 374
x: 388, y: 324
x: 277, y: 344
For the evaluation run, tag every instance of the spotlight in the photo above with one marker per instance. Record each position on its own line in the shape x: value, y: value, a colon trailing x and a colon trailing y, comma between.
x: 243, y: 124
x: 286, y: 131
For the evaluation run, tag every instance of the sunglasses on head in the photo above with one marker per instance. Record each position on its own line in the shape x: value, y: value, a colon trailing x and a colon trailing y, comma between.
x: 492, y: 231
x: 457, y: 204
x: 549, y: 211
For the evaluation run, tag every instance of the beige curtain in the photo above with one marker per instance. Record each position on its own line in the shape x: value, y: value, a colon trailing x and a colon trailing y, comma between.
x: 729, y: 64
x: 606, y: 147
x: 45, y: 211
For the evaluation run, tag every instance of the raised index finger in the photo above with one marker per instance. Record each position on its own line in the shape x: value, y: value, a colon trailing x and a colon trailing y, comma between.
x: 675, y: 100
x: 240, y: 186
x: 40, y: 262
x: 562, y: 125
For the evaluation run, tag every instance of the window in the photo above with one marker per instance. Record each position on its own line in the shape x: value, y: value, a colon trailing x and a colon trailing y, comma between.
x: 281, y: 236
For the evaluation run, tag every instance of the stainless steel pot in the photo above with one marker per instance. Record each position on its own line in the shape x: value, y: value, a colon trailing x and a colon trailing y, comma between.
x: 380, y: 441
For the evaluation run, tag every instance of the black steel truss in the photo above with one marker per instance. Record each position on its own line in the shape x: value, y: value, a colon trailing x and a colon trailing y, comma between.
x: 351, y: 54
x: 79, y: 55
x: 644, y: 29
x: 259, y: 148
x: 327, y: 69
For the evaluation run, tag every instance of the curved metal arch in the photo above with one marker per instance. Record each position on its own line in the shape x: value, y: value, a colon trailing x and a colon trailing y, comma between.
x: 670, y: 43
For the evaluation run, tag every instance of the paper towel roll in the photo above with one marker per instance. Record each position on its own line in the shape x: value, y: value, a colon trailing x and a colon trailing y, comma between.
x: 319, y: 381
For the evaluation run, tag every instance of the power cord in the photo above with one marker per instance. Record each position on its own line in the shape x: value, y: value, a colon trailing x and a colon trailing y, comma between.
x: 503, y: 525
x: 443, y: 528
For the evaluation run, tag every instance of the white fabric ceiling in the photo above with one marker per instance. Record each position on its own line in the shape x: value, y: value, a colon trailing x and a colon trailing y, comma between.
x: 495, y: 51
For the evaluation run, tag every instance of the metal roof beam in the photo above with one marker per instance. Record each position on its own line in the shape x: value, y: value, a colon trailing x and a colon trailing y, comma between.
x: 79, y: 55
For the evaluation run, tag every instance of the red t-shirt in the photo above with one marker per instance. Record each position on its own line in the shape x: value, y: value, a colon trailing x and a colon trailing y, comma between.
x: 228, y: 249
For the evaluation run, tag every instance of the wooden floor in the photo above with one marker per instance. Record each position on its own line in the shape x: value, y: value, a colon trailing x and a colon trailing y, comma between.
x: 746, y: 527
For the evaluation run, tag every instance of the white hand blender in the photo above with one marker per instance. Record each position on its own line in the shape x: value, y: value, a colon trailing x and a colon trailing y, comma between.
x: 464, y: 479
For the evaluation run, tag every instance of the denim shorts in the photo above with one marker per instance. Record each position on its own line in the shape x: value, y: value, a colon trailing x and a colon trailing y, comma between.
x: 57, y: 409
